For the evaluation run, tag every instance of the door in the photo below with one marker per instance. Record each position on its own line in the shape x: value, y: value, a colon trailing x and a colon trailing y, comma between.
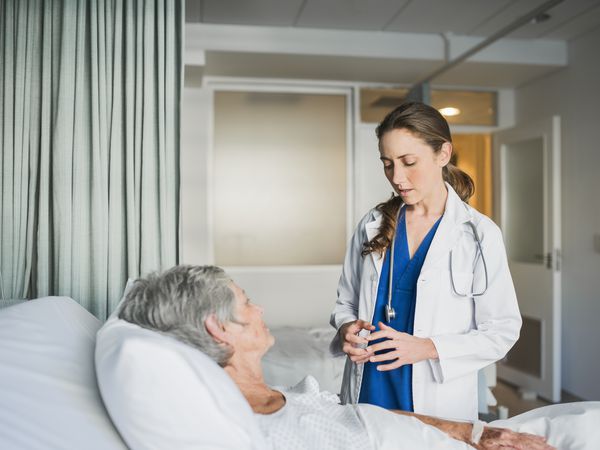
x: 527, y: 207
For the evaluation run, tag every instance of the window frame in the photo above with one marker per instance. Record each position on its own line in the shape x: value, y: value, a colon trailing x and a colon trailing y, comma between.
x: 210, y: 86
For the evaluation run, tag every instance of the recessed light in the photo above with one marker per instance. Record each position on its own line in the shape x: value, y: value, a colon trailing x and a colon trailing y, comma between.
x: 449, y: 111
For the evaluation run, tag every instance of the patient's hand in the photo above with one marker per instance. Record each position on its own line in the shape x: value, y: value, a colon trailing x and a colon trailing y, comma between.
x: 491, y: 439
x: 502, y: 438
x: 352, y: 342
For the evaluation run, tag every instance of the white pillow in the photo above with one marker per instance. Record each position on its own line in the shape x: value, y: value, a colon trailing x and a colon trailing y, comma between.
x: 163, y: 394
x: 115, y: 312
x: 48, y: 393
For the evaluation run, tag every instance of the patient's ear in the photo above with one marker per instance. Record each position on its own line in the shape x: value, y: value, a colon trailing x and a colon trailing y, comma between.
x: 216, y: 329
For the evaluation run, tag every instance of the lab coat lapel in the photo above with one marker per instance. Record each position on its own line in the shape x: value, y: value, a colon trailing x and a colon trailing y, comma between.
x: 372, y: 228
x: 448, y: 232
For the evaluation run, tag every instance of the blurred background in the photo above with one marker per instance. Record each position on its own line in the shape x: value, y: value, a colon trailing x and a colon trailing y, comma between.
x: 280, y: 161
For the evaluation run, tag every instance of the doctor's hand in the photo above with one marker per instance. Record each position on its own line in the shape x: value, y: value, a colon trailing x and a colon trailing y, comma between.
x: 353, y: 344
x: 404, y: 348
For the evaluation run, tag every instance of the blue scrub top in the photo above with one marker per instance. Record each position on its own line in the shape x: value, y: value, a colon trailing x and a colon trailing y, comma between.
x: 393, y: 389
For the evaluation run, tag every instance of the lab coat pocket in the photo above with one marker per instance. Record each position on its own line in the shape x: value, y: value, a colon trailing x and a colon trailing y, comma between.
x: 461, y: 284
x: 456, y: 314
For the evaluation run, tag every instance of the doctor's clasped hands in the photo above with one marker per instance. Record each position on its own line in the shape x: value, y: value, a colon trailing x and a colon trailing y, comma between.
x: 398, y: 348
x: 394, y: 346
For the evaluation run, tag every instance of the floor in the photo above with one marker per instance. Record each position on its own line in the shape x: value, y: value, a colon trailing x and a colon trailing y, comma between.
x: 509, y: 397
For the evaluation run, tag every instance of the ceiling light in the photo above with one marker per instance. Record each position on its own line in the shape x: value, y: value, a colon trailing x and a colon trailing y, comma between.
x: 449, y: 111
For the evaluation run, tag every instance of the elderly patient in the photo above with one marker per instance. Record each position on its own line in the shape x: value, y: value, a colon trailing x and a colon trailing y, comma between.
x: 203, y: 307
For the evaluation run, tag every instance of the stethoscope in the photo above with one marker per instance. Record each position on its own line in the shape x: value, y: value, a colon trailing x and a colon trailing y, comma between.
x: 390, y: 312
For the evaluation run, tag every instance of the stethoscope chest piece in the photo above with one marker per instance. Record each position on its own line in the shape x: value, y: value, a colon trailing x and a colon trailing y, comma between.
x: 390, y: 313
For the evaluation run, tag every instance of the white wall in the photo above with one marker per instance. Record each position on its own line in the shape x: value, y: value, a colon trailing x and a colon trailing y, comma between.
x: 574, y: 94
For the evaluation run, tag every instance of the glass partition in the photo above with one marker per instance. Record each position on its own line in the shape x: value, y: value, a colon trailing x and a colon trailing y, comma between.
x: 279, y: 183
x: 459, y: 107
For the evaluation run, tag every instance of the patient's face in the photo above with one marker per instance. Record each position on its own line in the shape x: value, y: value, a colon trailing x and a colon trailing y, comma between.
x: 253, y: 335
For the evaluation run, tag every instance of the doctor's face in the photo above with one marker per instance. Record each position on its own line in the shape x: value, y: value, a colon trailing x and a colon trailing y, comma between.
x: 411, y: 166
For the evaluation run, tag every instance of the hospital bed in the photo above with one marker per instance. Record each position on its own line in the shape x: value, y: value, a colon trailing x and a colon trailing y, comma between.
x: 50, y: 396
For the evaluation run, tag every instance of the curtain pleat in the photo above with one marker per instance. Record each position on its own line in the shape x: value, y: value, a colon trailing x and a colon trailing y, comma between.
x: 90, y: 96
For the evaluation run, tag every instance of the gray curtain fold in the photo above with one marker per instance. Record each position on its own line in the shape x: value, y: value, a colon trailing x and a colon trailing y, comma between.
x: 90, y: 94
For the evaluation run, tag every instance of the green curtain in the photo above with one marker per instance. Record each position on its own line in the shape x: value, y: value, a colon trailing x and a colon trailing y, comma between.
x: 90, y: 93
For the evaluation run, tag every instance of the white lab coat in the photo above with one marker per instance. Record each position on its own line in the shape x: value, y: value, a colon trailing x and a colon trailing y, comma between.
x: 468, y: 333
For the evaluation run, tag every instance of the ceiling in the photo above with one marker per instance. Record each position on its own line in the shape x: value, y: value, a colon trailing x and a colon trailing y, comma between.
x: 227, y: 33
x: 481, y: 18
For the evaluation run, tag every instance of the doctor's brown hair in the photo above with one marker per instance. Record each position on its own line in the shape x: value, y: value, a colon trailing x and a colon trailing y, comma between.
x: 426, y: 123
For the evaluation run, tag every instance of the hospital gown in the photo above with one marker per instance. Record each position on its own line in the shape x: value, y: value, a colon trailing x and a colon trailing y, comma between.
x: 313, y: 420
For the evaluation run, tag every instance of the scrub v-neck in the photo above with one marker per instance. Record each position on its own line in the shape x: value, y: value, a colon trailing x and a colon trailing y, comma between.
x: 393, y: 389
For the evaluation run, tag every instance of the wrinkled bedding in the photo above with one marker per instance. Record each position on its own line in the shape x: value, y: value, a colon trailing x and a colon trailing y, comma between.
x: 299, y: 351
x: 569, y: 426
x: 566, y: 426
x: 389, y: 431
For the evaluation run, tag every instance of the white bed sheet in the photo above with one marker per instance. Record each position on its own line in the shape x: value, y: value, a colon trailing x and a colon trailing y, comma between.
x: 570, y: 426
x: 389, y: 431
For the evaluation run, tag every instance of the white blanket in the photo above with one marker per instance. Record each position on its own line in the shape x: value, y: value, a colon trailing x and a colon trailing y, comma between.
x: 570, y: 426
x: 566, y: 426
x: 301, y: 351
x: 390, y: 431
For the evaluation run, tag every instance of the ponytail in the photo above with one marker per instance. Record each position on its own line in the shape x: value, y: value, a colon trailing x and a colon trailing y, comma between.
x: 460, y: 181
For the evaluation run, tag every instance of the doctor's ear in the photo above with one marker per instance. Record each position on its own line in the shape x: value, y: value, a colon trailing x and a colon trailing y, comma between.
x: 445, y: 154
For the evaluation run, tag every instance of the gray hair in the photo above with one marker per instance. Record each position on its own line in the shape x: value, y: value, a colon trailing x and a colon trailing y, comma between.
x: 178, y: 301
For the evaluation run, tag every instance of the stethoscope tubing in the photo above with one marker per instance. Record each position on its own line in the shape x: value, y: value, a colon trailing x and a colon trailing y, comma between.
x: 390, y: 312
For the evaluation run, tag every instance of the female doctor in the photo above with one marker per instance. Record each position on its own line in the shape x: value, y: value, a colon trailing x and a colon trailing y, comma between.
x: 415, y: 342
